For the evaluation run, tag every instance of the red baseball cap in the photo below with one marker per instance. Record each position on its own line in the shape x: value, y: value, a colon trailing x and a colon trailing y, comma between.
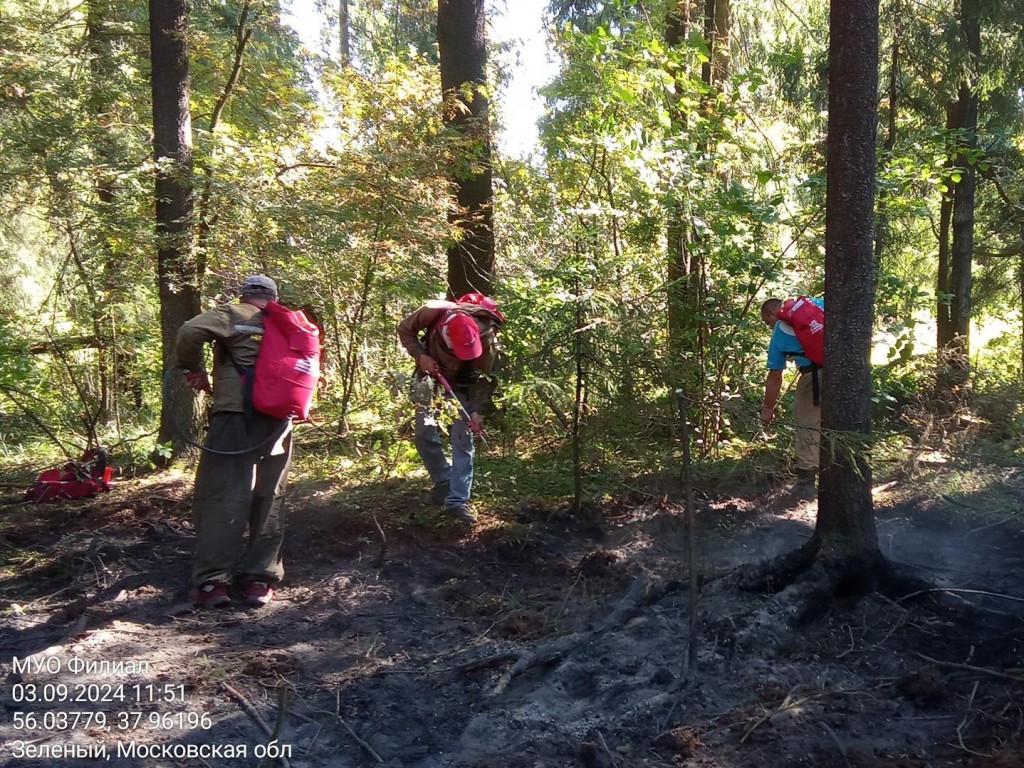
x: 463, y: 336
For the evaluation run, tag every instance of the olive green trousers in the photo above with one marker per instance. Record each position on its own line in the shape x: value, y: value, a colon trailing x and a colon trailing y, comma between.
x: 240, y: 493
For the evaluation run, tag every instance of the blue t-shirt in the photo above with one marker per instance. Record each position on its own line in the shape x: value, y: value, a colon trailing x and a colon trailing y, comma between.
x: 783, y: 345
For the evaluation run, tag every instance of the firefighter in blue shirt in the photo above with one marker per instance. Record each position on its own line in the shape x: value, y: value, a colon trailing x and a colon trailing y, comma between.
x: 806, y: 405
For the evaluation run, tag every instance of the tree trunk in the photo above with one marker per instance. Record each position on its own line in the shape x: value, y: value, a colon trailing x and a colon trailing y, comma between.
x: 681, y: 311
x: 846, y: 523
x: 1020, y: 297
x: 686, y: 356
x: 943, y: 315
x: 962, y: 250
x: 716, y: 32
x: 578, y: 404
x: 176, y: 261
x: 882, y: 223
x: 101, y: 68
x: 962, y: 117
x: 462, y: 46
x: 344, y: 33
x: 842, y: 557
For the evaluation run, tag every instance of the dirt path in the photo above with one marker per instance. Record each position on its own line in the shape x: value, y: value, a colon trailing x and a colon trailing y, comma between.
x: 564, y: 646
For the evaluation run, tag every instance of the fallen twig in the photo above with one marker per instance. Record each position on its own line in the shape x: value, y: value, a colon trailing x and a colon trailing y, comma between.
x: 306, y: 718
x: 969, y: 668
x: 997, y: 522
x: 965, y: 722
x: 458, y: 669
x: 484, y: 663
x: 355, y: 737
x: 835, y: 739
x: 255, y: 715
x: 853, y: 642
x: 615, y: 763
x: 785, y: 705
x: 378, y: 561
x: 960, y: 503
x: 962, y: 591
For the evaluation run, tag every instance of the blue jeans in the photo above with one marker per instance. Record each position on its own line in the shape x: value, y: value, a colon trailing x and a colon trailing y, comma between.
x: 459, y: 472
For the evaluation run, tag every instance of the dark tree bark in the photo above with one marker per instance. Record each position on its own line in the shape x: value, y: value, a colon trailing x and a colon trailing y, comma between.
x: 892, y: 102
x: 846, y: 523
x: 962, y: 251
x: 842, y: 557
x: 462, y: 46
x: 943, y: 314
x: 955, y: 282
x: 177, y: 279
x: 717, y: 15
x: 683, y: 273
x: 344, y: 33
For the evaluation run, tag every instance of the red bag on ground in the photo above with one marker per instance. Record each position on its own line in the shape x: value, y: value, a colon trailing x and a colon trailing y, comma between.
x: 75, y: 480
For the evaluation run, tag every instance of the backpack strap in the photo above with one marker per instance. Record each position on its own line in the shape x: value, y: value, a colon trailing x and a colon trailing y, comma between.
x: 813, y: 369
x: 439, y: 318
x: 246, y: 375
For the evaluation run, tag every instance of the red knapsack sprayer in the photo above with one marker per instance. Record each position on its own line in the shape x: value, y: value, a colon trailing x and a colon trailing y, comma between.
x: 288, y: 366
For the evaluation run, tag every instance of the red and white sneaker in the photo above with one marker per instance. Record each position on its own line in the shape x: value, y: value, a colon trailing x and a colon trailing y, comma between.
x: 211, y: 595
x: 258, y: 593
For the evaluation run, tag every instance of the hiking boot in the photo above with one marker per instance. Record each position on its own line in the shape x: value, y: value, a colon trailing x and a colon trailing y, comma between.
x: 258, y: 593
x: 438, y: 494
x: 211, y: 595
x: 462, y: 513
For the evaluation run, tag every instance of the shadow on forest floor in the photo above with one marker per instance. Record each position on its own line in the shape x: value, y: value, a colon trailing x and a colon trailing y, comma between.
x: 539, y: 638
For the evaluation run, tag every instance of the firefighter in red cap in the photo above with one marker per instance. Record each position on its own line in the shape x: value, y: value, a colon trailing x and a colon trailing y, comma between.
x: 453, y: 343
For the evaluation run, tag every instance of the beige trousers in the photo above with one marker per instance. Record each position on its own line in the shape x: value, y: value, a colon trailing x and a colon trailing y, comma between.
x: 807, y: 418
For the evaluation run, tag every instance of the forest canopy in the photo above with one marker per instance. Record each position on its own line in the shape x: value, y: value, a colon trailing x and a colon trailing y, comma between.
x: 679, y: 180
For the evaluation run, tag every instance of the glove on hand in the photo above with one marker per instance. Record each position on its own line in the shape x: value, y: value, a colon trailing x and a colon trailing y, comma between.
x: 198, y: 380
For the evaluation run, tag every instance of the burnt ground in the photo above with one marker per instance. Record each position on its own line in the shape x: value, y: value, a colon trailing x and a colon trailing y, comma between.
x: 539, y: 639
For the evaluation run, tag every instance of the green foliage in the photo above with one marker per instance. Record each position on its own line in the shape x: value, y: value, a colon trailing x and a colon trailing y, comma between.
x: 335, y: 180
x: 998, y: 385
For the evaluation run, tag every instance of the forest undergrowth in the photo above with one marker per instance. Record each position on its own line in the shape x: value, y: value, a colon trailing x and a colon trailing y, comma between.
x: 541, y: 638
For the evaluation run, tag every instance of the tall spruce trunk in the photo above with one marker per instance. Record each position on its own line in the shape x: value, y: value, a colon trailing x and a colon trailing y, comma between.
x: 846, y: 526
x: 177, y: 279
x: 962, y: 250
x: 682, y: 271
x: 462, y: 47
x: 962, y: 117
